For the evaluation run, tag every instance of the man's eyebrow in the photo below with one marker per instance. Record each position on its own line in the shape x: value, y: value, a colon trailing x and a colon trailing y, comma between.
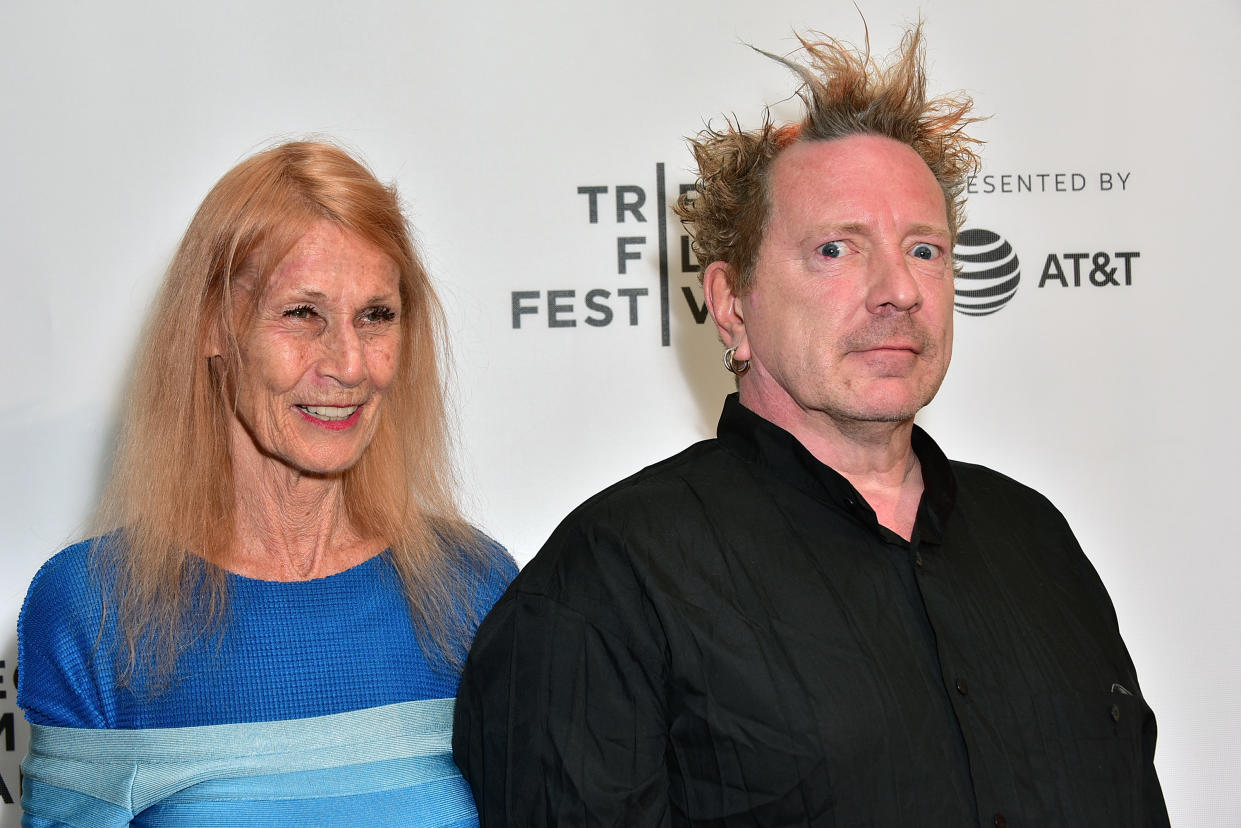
x: 852, y: 227
x: 928, y: 230
x: 862, y: 228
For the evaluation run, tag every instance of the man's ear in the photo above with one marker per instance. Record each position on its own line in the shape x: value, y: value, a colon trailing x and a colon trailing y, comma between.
x: 725, y: 307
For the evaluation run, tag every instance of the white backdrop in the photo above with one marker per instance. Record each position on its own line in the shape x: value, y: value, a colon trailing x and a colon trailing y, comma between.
x: 1117, y: 400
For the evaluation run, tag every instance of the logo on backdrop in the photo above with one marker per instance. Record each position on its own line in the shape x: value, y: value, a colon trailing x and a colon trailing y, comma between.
x: 7, y: 733
x: 1014, y: 183
x: 989, y: 266
x: 990, y: 270
x: 988, y: 274
x: 650, y: 273
x: 624, y: 292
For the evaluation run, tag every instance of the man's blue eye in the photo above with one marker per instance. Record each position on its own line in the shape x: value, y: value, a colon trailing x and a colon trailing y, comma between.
x: 924, y: 251
x: 832, y: 250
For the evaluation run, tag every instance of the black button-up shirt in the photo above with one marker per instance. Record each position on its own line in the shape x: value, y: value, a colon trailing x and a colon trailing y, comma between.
x: 730, y: 638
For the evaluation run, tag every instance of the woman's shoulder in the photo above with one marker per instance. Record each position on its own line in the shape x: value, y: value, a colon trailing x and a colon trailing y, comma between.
x: 498, y: 559
x: 490, y: 569
x: 58, y: 629
x: 64, y: 585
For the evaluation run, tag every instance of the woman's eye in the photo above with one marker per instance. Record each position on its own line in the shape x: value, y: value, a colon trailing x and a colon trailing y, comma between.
x: 833, y: 250
x: 379, y: 314
x: 300, y: 312
x: 924, y: 251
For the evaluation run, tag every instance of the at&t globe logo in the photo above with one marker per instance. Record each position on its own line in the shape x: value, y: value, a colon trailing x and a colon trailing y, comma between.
x: 989, y: 272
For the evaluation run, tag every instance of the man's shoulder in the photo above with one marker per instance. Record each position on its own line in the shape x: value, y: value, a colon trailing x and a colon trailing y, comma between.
x: 978, y: 482
x: 657, y: 487
x: 995, y: 504
x: 613, y: 534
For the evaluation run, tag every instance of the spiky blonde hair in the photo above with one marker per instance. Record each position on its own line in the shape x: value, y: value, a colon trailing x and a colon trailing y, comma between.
x: 845, y: 92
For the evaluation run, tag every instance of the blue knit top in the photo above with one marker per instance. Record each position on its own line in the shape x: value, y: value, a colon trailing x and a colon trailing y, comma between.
x: 288, y: 650
x: 287, y: 653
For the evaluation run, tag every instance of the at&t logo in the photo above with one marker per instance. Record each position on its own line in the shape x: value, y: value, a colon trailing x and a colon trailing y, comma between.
x: 989, y: 272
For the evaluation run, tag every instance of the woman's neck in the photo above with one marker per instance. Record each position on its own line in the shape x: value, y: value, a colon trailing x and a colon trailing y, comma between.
x: 289, y: 526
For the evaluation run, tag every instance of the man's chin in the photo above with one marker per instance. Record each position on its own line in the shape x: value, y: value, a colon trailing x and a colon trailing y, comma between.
x: 888, y: 401
x: 880, y: 409
x: 874, y: 417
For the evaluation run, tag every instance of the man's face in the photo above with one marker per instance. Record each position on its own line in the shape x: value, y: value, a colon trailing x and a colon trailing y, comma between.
x: 850, y: 314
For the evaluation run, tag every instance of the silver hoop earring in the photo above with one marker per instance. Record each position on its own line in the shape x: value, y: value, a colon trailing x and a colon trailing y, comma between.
x: 736, y: 366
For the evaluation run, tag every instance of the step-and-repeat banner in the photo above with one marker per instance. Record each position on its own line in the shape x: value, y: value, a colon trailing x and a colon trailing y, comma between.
x: 538, y: 147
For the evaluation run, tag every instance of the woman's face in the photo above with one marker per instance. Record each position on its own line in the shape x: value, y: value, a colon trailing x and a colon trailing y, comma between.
x: 321, y: 350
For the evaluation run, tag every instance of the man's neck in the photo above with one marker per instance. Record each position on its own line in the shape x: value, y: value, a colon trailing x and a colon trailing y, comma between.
x: 877, y: 458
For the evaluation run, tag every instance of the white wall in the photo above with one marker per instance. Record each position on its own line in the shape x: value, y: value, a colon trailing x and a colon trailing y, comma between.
x: 1119, y: 402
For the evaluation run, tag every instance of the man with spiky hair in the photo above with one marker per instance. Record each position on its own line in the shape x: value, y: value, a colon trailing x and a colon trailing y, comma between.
x: 815, y: 618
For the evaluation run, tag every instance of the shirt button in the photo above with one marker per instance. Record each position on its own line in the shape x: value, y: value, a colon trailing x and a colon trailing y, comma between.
x: 999, y: 821
x: 1115, y: 713
x: 962, y: 687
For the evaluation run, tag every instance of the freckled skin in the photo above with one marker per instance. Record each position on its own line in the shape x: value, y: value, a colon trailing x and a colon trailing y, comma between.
x: 325, y: 334
x: 850, y: 317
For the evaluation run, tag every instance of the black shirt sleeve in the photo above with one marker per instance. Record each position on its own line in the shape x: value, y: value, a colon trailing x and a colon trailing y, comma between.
x: 560, y: 716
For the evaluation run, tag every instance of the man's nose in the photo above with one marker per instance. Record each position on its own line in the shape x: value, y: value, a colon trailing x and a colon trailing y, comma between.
x: 893, y: 286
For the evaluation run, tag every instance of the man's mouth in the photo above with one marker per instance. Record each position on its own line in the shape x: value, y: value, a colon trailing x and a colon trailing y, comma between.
x: 907, y: 347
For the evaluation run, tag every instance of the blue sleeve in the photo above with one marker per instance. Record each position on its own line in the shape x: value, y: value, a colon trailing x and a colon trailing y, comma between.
x: 63, y: 658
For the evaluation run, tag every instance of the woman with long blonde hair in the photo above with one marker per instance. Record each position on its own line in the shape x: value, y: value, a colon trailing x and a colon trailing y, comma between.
x: 268, y: 624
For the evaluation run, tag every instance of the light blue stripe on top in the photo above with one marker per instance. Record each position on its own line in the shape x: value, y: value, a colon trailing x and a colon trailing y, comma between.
x: 397, y: 757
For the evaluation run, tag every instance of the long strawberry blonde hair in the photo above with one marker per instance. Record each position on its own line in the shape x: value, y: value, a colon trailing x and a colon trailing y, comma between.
x: 167, y: 510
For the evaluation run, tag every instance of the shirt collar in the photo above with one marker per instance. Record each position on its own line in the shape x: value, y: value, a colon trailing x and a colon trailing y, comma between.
x: 760, y: 441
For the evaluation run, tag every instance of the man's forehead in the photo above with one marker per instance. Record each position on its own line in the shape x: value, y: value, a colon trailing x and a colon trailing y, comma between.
x: 844, y: 180
x: 848, y: 150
